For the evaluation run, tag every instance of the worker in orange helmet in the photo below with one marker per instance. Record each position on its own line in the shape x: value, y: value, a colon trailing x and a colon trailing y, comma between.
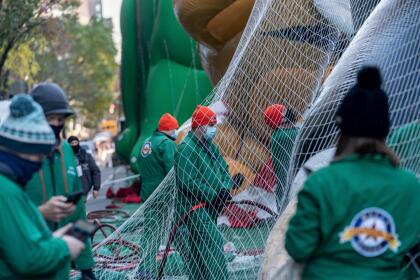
x: 155, y: 161
x: 282, y: 120
x: 202, y: 178
x: 157, y: 155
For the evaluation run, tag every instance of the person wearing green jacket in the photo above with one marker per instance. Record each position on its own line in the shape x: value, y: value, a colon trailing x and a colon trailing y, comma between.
x: 282, y: 120
x: 155, y: 161
x: 28, y: 249
x: 156, y: 157
x: 358, y: 217
x: 201, y: 177
x: 404, y: 142
x: 58, y: 176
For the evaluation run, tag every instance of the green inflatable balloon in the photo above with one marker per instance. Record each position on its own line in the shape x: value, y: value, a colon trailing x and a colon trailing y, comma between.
x: 163, y: 75
x: 129, y: 82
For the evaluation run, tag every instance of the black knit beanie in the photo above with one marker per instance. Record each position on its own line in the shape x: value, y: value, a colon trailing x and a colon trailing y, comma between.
x: 72, y: 138
x: 364, y: 111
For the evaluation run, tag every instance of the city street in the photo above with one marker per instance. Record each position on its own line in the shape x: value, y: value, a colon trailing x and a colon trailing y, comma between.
x: 108, y: 174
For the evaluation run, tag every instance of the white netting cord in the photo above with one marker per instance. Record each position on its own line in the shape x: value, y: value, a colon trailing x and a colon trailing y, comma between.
x: 393, y: 28
x: 320, y: 132
x: 285, y: 53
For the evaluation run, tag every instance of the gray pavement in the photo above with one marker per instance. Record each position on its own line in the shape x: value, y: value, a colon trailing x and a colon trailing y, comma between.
x: 108, y: 174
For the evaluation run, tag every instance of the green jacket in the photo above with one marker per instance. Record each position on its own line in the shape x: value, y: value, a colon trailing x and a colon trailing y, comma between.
x: 58, y: 176
x: 355, y: 219
x: 27, y: 249
x: 201, y: 172
x: 282, y: 143
x: 156, y: 159
x: 404, y: 141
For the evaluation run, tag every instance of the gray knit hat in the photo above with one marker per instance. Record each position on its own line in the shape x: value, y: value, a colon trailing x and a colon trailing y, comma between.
x: 26, y: 130
x: 52, y: 99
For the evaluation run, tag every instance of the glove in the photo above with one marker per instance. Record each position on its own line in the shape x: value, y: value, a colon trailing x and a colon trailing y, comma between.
x: 237, y: 180
x: 87, y: 275
x: 219, y: 201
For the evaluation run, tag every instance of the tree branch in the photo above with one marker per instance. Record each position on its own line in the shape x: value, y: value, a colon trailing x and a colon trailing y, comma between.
x: 5, y: 54
x: 12, y: 42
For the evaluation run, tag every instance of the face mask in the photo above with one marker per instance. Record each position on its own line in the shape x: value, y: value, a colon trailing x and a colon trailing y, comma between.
x: 76, y: 148
x: 174, y: 135
x: 23, y: 169
x: 29, y: 168
x: 57, y: 129
x: 210, y: 133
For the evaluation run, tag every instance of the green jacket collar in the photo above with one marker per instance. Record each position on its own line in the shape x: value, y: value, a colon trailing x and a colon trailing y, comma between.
x: 198, y: 142
x: 356, y: 157
x: 158, y: 133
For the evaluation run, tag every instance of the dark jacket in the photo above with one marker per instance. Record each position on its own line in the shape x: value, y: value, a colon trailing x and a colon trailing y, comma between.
x: 91, y: 173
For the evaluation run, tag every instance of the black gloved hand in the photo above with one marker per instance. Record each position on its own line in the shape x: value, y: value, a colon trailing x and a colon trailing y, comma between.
x: 87, y: 275
x: 237, y: 180
x: 219, y: 201
x: 410, y: 257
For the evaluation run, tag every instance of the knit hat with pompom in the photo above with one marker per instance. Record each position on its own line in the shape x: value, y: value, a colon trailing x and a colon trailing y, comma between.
x: 26, y: 130
x: 364, y: 111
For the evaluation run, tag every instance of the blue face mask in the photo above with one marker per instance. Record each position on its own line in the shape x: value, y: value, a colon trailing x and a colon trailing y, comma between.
x: 23, y: 169
x: 210, y: 133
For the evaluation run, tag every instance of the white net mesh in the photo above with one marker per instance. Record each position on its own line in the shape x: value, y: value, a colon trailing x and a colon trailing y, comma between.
x: 286, y: 51
x: 391, y: 31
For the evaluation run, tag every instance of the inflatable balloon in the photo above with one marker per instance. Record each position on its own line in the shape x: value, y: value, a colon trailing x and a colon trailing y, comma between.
x: 304, y: 43
x: 129, y: 79
x: 294, y: 52
x: 378, y: 36
x: 388, y: 36
x: 217, y: 26
x: 161, y: 71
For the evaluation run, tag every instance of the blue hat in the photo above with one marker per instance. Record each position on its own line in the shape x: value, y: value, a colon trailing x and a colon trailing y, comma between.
x: 26, y: 130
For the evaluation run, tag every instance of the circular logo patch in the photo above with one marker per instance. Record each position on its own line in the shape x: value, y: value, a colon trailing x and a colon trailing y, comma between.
x: 146, y: 149
x: 371, y: 232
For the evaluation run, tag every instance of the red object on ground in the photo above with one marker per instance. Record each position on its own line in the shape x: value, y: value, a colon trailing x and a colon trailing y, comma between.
x: 239, y: 217
x: 110, y: 193
x: 266, y: 178
x: 113, y: 206
x: 132, y: 198
x: 124, y: 192
x: 133, y: 189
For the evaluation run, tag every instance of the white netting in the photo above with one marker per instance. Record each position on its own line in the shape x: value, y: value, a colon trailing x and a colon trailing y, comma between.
x: 390, y: 40
x: 285, y: 53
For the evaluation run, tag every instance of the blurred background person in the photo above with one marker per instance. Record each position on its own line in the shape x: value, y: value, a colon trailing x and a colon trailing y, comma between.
x: 87, y: 169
